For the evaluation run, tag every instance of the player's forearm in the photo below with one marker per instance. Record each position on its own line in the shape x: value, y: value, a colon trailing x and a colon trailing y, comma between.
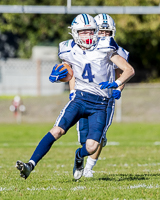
x: 128, y: 70
x: 118, y: 73
x: 121, y: 87
x: 127, y: 74
x: 72, y: 83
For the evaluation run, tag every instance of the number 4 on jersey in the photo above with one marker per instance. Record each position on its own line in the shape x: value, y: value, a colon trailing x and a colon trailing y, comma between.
x: 87, y: 73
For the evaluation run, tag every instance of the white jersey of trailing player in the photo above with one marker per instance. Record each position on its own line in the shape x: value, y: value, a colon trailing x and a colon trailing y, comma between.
x: 92, y: 66
x: 123, y: 53
x: 111, y: 104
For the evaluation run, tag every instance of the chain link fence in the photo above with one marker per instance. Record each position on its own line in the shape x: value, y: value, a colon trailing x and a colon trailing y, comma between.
x: 139, y: 103
x: 28, y: 77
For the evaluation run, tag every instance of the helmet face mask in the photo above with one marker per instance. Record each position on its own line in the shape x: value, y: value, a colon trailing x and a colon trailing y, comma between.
x: 86, y: 36
x: 84, y: 22
x: 106, y: 23
x: 105, y: 33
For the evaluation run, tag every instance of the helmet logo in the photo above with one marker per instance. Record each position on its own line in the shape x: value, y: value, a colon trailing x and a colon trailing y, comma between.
x: 74, y: 21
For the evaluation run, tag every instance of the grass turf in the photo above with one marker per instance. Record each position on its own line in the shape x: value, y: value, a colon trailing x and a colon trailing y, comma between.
x: 128, y: 167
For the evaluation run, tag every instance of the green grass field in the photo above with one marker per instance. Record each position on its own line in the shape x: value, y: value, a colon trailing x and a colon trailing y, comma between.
x: 128, y: 168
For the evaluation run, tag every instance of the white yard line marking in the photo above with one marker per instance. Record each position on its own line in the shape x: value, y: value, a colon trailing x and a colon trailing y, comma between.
x: 148, y: 164
x: 7, y: 189
x: 59, y: 143
x: 48, y: 188
x: 82, y: 188
x: 143, y: 186
x: 109, y: 143
x: 113, y: 143
x: 157, y: 143
x: 78, y: 188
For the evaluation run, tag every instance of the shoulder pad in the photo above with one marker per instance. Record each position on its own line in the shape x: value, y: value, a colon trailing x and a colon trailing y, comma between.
x: 65, y: 49
x: 107, y: 43
x: 124, y: 53
x: 66, y: 45
x: 113, y: 43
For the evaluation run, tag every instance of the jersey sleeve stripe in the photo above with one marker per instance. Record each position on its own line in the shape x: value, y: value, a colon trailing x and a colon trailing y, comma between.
x: 63, y: 52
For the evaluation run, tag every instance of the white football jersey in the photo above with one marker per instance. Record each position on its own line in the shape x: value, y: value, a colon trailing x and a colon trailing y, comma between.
x: 92, y: 66
x: 123, y: 53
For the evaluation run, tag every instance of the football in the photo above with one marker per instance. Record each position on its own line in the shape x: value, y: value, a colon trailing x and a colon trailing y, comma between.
x: 70, y: 72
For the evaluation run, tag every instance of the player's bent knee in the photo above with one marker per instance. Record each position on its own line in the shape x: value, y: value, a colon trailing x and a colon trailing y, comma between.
x: 91, y: 146
x: 57, y: 132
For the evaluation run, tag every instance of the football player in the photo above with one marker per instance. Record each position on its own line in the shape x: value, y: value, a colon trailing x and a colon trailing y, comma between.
x: 88, y: 57
x: 107, y: 28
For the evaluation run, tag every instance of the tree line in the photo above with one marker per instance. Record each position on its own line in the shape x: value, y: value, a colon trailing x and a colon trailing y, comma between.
x: 138, y: 34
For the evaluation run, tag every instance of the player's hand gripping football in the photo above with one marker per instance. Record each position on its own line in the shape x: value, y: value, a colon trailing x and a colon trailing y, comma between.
x: 108, y: 85
x: 56, y: 74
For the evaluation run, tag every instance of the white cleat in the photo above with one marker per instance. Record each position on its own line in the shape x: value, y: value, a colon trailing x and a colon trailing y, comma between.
x: 88, y: 173
x: 78, y: 167
x: 24, y: 168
